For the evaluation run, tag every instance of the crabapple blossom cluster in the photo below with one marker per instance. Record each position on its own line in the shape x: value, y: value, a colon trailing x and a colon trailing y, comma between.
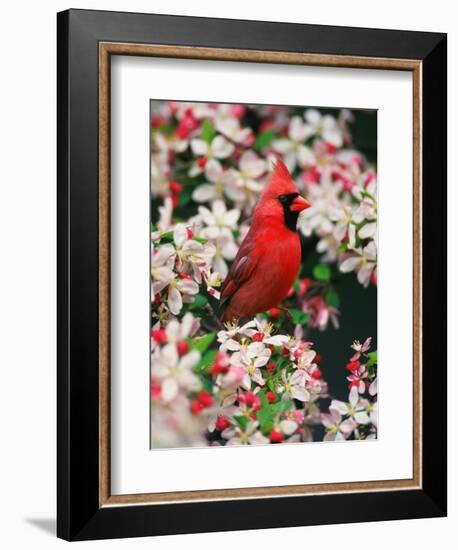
x: 255, y: 388
x: 357, y: 417
x: 260, y: 381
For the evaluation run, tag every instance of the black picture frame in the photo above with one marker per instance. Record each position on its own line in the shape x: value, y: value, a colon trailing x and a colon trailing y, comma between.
x: 79, y: 514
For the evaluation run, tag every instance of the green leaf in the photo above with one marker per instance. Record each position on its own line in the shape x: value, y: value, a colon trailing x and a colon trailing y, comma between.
x: 242, y: 421
x: 322, y: 272
x: 299, y: 317
x: 372, y: 359
x: 264, y: 139
x: 208, y: 131
x: 167, y: 237
x: 268, y: 413
x: 281, y: 407
x: 185, y: 197
x: 207, y: 383
x: 199, y: 302
x: 265, y: 415
x: 332, y: 298
x: 206, y: 361
x: 166, y: 128
x: 201, y: 344
x: 342, y: 248
x: 200, y: 240
x: 271, y: 384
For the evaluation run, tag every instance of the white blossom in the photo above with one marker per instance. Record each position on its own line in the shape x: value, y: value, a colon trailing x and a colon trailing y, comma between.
x: 292, y: 148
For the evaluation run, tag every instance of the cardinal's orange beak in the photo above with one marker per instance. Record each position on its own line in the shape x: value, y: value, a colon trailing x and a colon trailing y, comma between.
x: 299, y: 204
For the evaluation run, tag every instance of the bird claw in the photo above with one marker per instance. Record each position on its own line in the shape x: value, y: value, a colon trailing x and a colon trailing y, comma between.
x: 287, y: 312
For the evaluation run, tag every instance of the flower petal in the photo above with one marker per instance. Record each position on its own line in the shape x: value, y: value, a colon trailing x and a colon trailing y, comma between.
x: 282, y: 145
x: 213, y: 170
x: 169, y: 389
x: 288, y: 427
x: 312, y: 116
x: 199, y: 147
x: 367, y: 231
x: 339, y: 406
x: 300, y: 393
x: 362, y: 417
x: 174, y: 300
x: 252, y: 165
x: 350, y: 264
x: 221, y: 147
x: 204, y: 193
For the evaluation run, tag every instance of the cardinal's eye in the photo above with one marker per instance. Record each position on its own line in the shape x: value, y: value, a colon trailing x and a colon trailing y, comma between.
x: 283, y: 199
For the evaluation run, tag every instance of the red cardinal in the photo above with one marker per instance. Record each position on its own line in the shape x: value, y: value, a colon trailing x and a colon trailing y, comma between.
x: 269, y: 257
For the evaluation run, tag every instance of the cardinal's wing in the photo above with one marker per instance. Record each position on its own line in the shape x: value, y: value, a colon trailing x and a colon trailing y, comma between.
x: 242, y: 268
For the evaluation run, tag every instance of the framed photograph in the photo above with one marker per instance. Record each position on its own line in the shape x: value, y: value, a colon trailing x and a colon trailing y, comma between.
x: 252, y: 274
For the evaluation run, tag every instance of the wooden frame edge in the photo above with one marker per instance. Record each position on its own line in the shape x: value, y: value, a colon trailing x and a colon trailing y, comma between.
x: 104, y: 276
x: 106, y: 49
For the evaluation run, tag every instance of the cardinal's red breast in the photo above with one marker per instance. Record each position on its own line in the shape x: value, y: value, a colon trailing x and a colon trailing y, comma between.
x: 269, y: 257
x: 277, y: 261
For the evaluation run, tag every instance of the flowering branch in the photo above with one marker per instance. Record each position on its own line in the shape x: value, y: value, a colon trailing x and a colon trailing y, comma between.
x: 259, y: 382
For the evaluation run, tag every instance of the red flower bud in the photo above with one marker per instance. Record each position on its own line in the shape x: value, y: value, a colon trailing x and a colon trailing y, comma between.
x: 218, y: 368
x: 182, y: 132
x: 347, y: 184
x: 159, y: 336
x: 318, y: 359
x: 271, y: 397
x: 175, y: 200
x: 374, y: 278
x: 221, y: 364
x: 312, y: 175
x: 157, y: 121
x: 270, y: 367
x: 222, y: 423
x: 304, y: 285
x: 335, y: 175
x: 368, y: 179
x: 196, y: 407
x: 238, y: 110
x: 175, y: 187
x: 182, y: 347
x: 155, y: 390
x: 266, y: 125
x: 316, y: 374
x: 187, y: 124
x: 258, y: 337
x: 354, y: 384
x: 353, y: 366
x: 205, y: 398
x: 251, y: 400
x: 274, y: 312
x: 276, y: 436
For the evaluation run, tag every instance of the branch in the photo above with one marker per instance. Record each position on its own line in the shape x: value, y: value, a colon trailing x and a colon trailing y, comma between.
x: 212, y: 314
